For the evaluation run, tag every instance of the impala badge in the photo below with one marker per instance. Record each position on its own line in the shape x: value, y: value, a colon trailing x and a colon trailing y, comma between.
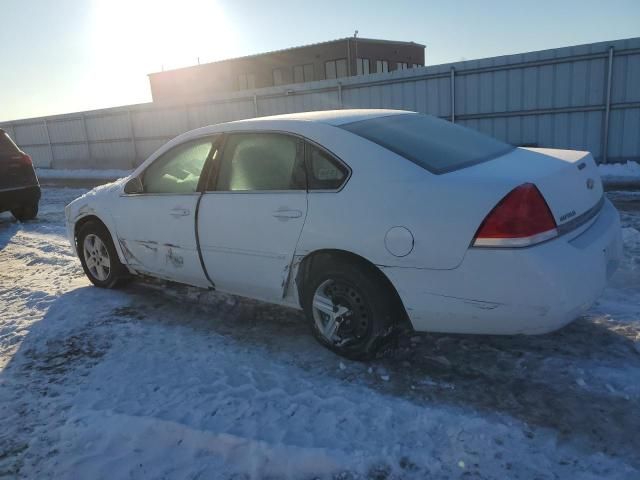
x: 590, y: 183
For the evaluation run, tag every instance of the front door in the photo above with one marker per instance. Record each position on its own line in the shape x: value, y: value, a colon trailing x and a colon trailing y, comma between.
x: 156, y: 228
x: 252, y: 214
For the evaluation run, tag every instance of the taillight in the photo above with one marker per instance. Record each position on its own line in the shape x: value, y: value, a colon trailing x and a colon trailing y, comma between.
x: 22, y: 158
x: 520, y: 219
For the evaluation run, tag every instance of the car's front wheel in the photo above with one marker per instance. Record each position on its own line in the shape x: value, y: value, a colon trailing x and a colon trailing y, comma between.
x: 99, y: 257
x: 25, y: 212
x: 351, y: 308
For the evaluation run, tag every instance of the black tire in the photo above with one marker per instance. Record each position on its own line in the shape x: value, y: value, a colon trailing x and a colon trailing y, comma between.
x: 371, y: 300
x: 117, y: 272
x: 25, y: 212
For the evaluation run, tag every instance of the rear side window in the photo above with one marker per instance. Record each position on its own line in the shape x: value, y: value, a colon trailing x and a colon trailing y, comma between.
x: 434, y: 144
x: 324, y: 171
x: 7, y: 147
x: 262, y: 161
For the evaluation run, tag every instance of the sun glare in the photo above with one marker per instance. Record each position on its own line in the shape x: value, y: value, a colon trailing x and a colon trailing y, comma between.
x: 156, y: 34
x: 132, y: 38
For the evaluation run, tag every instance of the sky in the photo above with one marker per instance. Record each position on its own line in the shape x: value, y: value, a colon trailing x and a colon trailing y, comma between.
x: 60, y: 56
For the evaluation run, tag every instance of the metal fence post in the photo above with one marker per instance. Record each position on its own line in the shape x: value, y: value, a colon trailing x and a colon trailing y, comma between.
x: 255, y: 104
x: 607, y: 110
x: 133, y: 139
x: 46, y: 131
x: 86, y: 134
x: 453, y: 95
x: 340, y: 95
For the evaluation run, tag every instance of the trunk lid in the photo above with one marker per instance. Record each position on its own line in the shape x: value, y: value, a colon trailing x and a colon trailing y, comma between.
x: 570, y: 182
x: 568, y: 179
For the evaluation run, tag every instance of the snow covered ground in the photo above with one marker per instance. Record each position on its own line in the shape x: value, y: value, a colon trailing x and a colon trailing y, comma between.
x: 173, y: 383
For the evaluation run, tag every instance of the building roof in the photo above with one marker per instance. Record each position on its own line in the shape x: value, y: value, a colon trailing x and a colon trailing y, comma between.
x: 288, y: 49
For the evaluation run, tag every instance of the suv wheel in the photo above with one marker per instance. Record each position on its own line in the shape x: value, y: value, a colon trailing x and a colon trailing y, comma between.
x: 25, y: 212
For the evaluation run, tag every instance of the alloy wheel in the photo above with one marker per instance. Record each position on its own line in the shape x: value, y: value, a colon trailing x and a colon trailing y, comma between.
x: 96, y: 257
x: 340, y: 312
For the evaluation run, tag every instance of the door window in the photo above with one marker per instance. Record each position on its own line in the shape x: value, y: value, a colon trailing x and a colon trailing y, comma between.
x: 324, y: 171
x: 178, y: 170
x: 262, y: 161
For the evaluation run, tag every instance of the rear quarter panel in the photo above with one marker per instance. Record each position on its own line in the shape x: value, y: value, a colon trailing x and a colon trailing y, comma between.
x: 385, y: 190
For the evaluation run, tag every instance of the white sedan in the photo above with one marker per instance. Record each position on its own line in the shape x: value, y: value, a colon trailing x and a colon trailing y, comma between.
x: 365, y: 219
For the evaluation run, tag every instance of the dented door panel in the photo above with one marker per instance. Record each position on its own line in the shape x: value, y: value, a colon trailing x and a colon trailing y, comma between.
x: 157, y: 236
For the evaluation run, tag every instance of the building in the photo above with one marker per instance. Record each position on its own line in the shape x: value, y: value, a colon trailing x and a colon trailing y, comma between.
x: 319, y: 61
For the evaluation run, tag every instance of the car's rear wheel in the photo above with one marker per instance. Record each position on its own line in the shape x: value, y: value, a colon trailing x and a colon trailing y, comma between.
x: 350, y: 307
x: 98, y: 256
x: 25, y: 212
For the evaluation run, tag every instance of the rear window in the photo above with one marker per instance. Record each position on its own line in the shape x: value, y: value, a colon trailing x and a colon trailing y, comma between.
x: 434, y: 144
x: 7, y: 147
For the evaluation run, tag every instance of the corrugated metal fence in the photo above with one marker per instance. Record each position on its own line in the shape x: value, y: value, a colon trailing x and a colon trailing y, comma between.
x: 585, y: 97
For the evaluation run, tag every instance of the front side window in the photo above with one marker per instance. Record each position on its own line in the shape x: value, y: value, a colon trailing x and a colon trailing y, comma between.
x: 323, y: 171
x: 434, y: 144
x: 178, y: 170
x: 262, y: 161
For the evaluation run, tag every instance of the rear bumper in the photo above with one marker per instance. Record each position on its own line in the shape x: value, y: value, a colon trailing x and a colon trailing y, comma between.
x: 17, y: 197
x: 508, y: 291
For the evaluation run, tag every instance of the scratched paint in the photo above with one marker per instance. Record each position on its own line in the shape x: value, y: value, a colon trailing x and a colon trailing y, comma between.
x: 175, y: 260
x: 127, y: 252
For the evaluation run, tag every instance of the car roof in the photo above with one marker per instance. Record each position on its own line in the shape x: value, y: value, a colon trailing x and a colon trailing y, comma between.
x: 331, y: 117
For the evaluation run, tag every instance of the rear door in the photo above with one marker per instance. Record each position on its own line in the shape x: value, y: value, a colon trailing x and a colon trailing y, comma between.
x: 16, y: 170
x: 252, y: 214
x: 156, y: 228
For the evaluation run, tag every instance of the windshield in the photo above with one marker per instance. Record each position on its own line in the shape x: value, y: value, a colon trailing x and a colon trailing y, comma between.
x: 434, y: 144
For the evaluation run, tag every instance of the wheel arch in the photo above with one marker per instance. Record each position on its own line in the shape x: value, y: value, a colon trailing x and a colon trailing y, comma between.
x: 94, y: 218
x: 315, y: 258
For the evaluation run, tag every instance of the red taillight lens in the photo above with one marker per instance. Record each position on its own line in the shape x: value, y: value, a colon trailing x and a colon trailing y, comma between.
x: 26, y: 159
x: 520, y: 219
x: 23, y: 158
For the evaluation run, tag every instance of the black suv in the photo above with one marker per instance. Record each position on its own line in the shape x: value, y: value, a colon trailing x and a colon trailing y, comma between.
x: 19, y: 188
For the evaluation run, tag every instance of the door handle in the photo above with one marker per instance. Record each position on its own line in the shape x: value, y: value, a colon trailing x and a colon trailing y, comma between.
x: 286, y: 214
x: 179, y: 212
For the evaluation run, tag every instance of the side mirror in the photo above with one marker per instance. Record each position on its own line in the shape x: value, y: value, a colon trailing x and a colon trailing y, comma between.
x: 134, y: 186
